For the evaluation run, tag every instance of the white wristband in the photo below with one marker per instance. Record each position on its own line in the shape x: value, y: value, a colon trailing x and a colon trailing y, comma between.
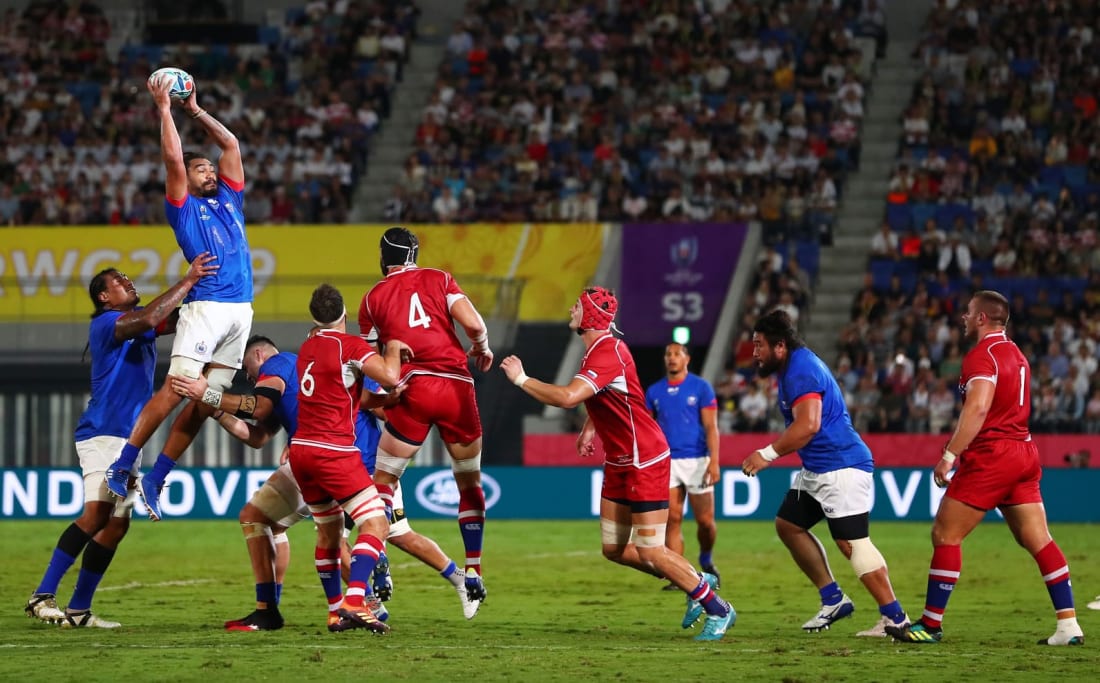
x: 520, y: 379
x: 212, y: 398
x: 481, y: 341
x: 768, y: 453
x: 948, y: 456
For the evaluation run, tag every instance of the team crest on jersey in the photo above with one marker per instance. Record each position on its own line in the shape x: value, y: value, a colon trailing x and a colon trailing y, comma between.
x: 692, y: 400
x: 591, y: 373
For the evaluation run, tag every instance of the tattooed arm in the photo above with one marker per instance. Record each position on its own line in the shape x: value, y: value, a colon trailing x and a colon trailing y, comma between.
x: 162, y: 310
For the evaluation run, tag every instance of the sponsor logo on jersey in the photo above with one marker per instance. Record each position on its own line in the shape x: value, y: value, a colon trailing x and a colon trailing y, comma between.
x: 438, y: 492
x: 672, y: 391
x: 212, y: 202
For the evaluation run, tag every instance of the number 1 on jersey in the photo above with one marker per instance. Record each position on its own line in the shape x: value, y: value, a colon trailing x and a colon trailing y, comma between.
x: 417, y: 316
x: 1023, y: 378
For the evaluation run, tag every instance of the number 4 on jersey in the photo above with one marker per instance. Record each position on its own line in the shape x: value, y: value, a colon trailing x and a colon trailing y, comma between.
x: 417, y: 316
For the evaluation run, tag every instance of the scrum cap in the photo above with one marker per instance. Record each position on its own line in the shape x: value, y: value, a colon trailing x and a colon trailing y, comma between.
x: 598, y: 308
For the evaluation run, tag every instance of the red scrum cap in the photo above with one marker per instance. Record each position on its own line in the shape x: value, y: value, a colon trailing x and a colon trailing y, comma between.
x: 598, y: 308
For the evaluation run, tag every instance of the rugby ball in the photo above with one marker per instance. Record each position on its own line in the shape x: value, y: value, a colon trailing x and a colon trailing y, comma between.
x: 182, y: 85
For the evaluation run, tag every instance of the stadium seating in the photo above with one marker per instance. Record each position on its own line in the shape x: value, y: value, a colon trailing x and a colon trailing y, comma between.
x: 304, y: 99
x: 1004, y: 126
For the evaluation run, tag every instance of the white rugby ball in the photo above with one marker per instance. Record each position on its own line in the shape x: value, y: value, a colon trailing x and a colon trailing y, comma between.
x: 182, y: 85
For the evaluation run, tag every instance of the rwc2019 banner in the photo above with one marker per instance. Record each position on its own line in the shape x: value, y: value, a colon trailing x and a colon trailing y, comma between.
x: 524, y: 493
x: 673, y: 275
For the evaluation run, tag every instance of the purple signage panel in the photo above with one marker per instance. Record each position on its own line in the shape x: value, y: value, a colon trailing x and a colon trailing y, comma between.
x: 675, y: 274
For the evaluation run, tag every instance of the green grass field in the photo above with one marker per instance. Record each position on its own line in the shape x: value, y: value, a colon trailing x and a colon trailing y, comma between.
x: 556, y: 611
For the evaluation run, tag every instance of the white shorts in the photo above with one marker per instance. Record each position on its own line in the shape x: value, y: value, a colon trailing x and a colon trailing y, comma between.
x: 841, y: 493
x: 689, y: 473
x: 213, y: 332
x: 96, y: 455
x: 280, y: 500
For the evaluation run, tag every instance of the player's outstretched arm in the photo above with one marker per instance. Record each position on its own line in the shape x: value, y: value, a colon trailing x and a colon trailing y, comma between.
x: 230, y: 164
x: 161, y: 311
x: 171, y: 149
x: 258, y: 405
x: 473, y: 324
x: 568, y: 396
x: 254, y: 435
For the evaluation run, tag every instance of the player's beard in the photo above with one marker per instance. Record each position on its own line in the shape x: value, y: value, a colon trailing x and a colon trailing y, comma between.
x: 767, y: 368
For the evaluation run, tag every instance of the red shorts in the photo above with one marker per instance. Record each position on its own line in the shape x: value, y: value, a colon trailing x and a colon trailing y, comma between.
x: 637, y: 484
x: 449, y: 404
x: 998, y: 473
x: 324, y: 474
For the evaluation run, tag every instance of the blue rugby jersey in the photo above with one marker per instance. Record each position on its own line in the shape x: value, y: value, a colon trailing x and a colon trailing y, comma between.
x: 836, y: 445
x: 122, y: 379
x: 678, y: 408
x: 215, y: 224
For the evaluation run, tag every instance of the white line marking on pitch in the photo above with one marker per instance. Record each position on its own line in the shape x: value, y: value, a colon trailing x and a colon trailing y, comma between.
x: 162, y: 584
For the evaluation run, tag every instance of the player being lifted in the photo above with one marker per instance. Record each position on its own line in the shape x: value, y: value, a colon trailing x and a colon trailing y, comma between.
x: 420, y: 306
x: 204, y: 205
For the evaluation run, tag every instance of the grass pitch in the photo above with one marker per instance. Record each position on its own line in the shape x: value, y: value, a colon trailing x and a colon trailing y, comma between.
x: 556, y: 611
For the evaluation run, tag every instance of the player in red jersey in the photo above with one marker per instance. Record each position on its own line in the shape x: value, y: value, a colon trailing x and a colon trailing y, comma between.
x: 636, y: 469
x: 998, y: 468
x: 323, y: 455
x: 421, y: 306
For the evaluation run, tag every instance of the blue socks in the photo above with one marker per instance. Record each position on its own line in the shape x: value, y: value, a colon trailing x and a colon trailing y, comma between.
x: 705, y: 559
x: 69, y: 546
x: 278, y: 593
x: 831, y: 594
x: 96, y: 560
x: 267, y: 593
x: 893, y: 612
x: 160, y: 470
x: 128, y: 457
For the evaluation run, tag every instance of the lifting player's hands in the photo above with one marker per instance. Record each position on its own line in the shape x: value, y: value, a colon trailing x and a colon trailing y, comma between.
x: 200, y: 267
x: 512, y: 367
x: 159, y: 89
x: 188, y: 387
x: 483, y: 357
x: 753, y: 464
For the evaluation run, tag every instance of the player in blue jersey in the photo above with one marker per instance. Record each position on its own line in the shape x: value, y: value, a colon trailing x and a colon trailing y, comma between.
x: 122, y: 340
x: 278, y: 504
x: 836, y: 482
x: 204, y: 207
x: 687, y: 411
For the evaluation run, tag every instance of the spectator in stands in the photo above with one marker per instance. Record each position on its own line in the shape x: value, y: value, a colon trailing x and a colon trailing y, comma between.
x: 941, y: 407
x: 754, y: 409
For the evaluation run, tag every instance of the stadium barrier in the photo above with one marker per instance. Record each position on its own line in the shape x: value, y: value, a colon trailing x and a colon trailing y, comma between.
x: 890, y: 450
x: 524, y: 493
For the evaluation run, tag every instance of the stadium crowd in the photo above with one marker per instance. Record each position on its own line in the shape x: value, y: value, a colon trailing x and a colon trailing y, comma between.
x: 995, y: 187
x: 672, y: 111
x: 79, y: 132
